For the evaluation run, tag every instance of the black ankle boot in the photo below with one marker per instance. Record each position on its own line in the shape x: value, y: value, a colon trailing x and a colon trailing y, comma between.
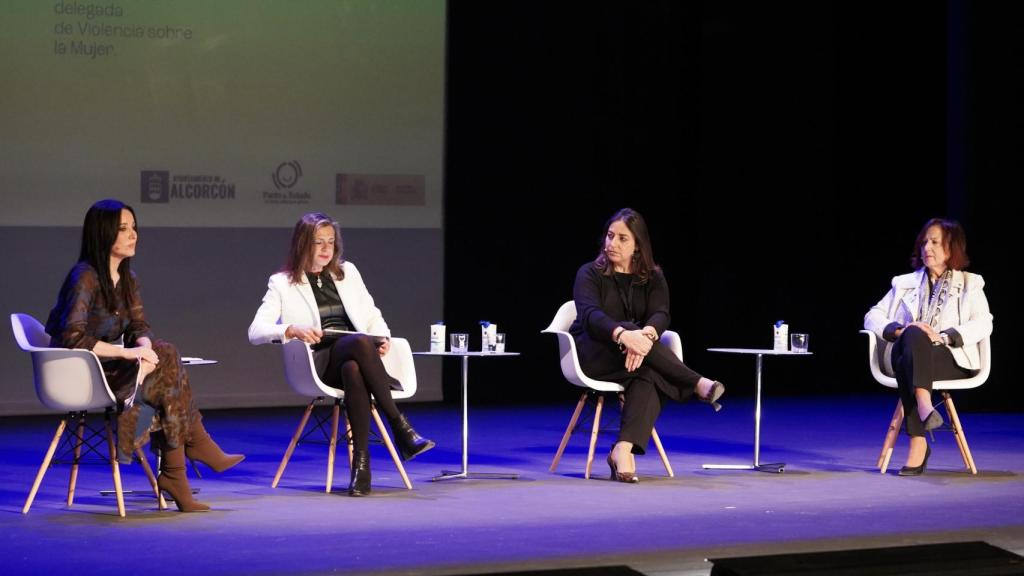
x: 360, y: 483
x: 410, y: 444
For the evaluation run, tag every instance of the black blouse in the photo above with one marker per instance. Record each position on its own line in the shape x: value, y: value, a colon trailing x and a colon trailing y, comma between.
x: 81, y: 316
x: 329, y: 305
x: 604, y: 303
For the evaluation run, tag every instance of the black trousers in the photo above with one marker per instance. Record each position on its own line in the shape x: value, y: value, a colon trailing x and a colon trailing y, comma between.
x: 917, y: 363
x: 353, y: 364
x: 662, y: 376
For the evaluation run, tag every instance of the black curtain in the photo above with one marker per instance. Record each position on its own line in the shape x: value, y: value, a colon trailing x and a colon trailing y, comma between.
x: 784, y: 156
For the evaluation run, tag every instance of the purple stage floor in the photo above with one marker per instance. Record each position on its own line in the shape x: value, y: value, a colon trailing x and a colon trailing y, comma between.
x: 829, y: 498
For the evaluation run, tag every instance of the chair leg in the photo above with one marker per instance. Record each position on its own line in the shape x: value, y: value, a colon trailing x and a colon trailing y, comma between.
x: 957, y: 437
x: 593, y: 435
x: 348, y: 439
x: 958, y: 432
x: 661, y: 452
x: 656, y: 439
x: 115, y: 468
x: 46, y: 464
x: 160, y: 502
x: 391, y: 447
x: 568, y: 431
x: 890, y: 437
x: 73, y: 480
x: 333, y: 446
x: 291, y: 445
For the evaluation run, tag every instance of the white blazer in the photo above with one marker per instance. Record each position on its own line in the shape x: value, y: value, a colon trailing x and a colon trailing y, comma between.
x: 966, y: 311
x: 286, y: 303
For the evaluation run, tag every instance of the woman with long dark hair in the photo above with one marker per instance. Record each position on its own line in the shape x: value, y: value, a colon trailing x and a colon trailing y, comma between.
x: 317, y: 294
x: 932, y: 321
x: 621, y: 311
x: 99, y: 305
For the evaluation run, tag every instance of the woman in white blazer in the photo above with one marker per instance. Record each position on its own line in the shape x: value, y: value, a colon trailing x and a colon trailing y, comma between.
x: 932, y: 320
x: 316, y: 296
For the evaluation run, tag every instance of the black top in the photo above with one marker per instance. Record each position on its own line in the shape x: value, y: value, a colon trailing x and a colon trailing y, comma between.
x: 604, y: 303
x: 328, y: 301
x: 81, y: 316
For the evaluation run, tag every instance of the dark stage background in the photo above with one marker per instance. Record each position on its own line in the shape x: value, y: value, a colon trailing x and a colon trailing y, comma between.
x: 784, y: 155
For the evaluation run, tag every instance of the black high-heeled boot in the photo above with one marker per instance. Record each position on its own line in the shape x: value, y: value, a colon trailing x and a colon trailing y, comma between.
x: 410, y: 444
x: 360, y: 483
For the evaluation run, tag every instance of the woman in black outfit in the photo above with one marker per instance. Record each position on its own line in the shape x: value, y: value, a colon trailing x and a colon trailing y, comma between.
x: 621, y: 311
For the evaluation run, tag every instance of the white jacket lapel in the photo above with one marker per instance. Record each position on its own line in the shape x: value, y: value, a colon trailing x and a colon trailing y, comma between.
x: 306, y: 291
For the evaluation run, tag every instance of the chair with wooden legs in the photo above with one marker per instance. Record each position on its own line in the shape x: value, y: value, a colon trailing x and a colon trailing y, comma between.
x: 875, y: 362
x: 72, y: 381
x: 594, y: 390
x: 300, y: 372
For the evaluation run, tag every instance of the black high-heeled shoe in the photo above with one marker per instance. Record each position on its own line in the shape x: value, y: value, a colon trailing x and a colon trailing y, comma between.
x: 627, y: 477
x: 916, y: 470
x: 360, y: 483
x: 716, y: 391
x: 933, y: 421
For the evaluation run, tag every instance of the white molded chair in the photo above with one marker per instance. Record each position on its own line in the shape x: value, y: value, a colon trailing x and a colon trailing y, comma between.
x: 72, y: 381
x: 875, y: 351
x: 301, y: 375
x: 572, y: 371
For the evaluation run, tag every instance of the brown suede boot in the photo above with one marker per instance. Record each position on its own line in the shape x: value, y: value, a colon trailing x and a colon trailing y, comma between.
x: 173, y: 480
x: 200, y: 447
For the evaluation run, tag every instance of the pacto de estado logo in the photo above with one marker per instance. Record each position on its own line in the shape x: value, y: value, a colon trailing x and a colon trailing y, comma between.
x: 287, y: 174
x: 285, y: 191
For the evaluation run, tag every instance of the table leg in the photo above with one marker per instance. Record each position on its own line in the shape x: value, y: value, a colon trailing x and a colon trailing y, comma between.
x: 465, y: 473
x: 778, y: 468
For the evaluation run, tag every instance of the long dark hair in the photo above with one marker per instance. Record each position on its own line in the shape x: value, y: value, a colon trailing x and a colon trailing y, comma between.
x: 643, y: 259
x: 954, y: 242
x: 99, y: 232
x: 300, y: 254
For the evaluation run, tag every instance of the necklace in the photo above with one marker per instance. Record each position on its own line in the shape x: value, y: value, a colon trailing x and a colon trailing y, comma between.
x: 314, y: 277
x: 937, y: 298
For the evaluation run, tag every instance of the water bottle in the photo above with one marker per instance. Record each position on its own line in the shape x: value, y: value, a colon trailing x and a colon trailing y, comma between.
x: 437, y: 337
x: 781, y: 342
x: 488, y: 334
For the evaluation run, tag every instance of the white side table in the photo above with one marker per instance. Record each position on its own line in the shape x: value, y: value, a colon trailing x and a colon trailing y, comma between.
x: 465, y: 473
x: 780, y: 467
